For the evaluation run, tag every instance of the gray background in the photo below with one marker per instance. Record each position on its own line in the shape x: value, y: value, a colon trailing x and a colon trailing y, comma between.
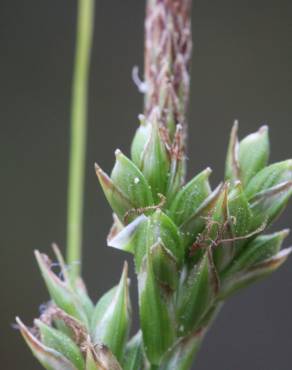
x: 241, y: 69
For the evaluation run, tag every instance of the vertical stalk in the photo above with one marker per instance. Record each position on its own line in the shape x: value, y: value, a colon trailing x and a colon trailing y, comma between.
x: 85, y: 24
x: 168, y: 47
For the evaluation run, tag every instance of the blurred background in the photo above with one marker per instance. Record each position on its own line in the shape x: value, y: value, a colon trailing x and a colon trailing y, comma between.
x: 242, y: 68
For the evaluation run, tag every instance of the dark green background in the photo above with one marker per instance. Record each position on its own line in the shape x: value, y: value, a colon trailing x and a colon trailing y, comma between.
x: 242, y: 68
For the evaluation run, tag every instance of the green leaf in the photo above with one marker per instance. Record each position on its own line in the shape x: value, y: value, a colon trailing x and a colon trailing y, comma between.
x: 164, y: 266
x: 156, y: 162
x: 190, y: 197
x: 130, y: 180
x: 269, y: 177
x: 60, y: 342
x: 155, y: 313
x: 112, y: 327
x: 180, y: 357
x: 253, y: 274
x: 134, y: 357
x: 261, y: 248
x: 253, y: 154
x: 48, y: 357
x: 141, y: 138
x: 197, y: 294
x: 60, y: 291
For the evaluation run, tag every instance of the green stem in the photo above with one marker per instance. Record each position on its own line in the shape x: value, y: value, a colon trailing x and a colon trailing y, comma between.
x: 85, y: 23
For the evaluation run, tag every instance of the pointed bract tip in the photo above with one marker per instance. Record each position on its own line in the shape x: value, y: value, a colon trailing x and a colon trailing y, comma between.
x: 208, y: 170
x: 235, y: 124
x: 37, y: 254
x: 55, y: 248
x: 284, y: 253
x: 18, y: 321
x: 289, y: 163
x: 263, y: 129
x: 158, y: 212
x: 141, y: 118
x: 23, y: 328
x: 118, y: 152
x: 97, y: 168
x: 285, y: 232
x: 225, y: 186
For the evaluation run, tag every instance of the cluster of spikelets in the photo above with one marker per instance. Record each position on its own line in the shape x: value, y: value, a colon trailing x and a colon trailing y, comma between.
x: 193, y: 247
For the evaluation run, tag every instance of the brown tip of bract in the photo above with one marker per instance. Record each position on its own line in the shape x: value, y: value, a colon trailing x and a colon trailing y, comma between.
x: 104, y: 179
x: 23, y: 329
x: 96, y: 167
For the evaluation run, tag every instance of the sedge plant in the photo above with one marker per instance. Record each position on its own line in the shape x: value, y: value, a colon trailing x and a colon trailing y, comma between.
x: 193, y: 246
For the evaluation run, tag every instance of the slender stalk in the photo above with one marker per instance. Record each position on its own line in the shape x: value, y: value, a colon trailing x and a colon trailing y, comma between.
x: 85, y: 24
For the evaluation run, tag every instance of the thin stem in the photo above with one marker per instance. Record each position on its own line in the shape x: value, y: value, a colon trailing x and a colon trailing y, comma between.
x: 85, y: 24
